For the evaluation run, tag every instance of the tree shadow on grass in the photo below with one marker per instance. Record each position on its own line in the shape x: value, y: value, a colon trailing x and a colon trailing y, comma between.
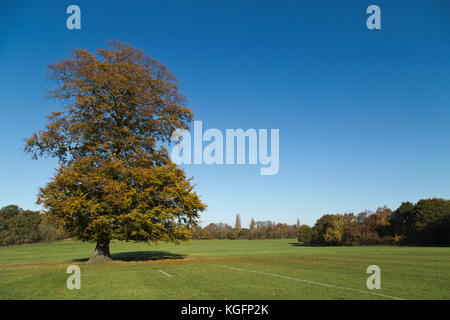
x: 146, y: 256
x: 296, y: 244
x: 140, y: 256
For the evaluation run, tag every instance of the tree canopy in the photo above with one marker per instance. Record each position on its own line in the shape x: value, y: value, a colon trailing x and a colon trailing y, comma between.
x: 115, y: 179
x: 425, y: 223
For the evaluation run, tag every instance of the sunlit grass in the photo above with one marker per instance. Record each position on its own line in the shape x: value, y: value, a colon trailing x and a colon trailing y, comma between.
x: 266, y: 269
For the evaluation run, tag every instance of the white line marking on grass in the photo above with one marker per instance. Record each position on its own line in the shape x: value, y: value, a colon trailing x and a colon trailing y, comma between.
x: 169, y: 275
x: 312, y: 282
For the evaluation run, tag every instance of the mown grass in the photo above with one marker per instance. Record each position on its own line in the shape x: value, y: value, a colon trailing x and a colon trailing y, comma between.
x: 266, y: 269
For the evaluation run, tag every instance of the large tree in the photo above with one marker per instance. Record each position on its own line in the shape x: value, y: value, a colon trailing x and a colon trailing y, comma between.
x: 115, y: 179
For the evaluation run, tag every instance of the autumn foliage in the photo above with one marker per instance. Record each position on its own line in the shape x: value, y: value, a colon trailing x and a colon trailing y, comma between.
x: 115, y: 179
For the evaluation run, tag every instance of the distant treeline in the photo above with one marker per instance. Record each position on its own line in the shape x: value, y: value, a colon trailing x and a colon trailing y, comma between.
x: 425, y: 223
x: 18, y: 226
x: 257, y: 230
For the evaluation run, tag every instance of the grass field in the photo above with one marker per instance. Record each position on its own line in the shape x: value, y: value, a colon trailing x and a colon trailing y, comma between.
x: 224, y: 269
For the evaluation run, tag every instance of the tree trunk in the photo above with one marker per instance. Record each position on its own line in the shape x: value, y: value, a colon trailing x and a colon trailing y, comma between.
x: 101, y: 252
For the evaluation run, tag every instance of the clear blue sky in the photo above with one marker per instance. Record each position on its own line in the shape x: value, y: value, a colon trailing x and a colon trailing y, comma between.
x: 363, y: 114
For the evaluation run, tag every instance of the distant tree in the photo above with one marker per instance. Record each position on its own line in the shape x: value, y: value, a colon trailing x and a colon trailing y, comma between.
x: 252, y: 229
x: 335, y: 232
x: 351, y: 230
x: 204, y: 234
x: 432, y: 221
x: 237, y: 225
x: 244, y: 234
x: 218, y: 230
x: 9, y: 212
x: 231, y: 235
x: 298, y: 224
x: 403, y: 220
x: 18, y: 226
x: 382, y: 217
x: 50, y: 230
x: 116, y: 179
x: 304, y: 234
x: 320, y: 228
